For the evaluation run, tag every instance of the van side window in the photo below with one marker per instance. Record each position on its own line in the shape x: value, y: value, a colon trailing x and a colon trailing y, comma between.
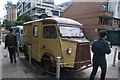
x: 21, y: 31
x: 35, y: 31
x: 17, y: 32
x: 49, y: 32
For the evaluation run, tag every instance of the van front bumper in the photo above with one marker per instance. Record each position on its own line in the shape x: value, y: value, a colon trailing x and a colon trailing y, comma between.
x: 78, y: 69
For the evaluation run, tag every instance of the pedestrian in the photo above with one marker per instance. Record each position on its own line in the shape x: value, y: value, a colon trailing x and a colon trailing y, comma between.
x: 11, y: 43
x: 119, y: 56
x: 100, y: 48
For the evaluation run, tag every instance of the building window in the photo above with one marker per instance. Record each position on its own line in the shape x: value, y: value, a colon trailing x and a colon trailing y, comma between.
x: 40, y: 10
x: 118, y: 8
x: 49, y: 32
x: 35, y: 31
x: 38, y: 4
x: 119, y: 3
x: 47, y: 6
x: 116, y: 23
x: 56, y: 13
x: 103, y: 21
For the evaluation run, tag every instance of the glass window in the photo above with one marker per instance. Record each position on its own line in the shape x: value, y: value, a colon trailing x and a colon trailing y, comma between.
x: 55, y: 12
x: 118, y: 8
x: 49, y: 32
x: 40, y: 10
x: 35, y: 31
x: 21, y: 31
x: 17, y: 32
x: 71, y: 31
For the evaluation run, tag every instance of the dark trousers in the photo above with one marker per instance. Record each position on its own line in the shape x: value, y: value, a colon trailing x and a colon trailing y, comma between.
x: 103, y: 65
x: 12, y: 53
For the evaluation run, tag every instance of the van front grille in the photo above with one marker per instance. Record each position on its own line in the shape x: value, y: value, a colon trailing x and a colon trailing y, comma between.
x: 82, y: 54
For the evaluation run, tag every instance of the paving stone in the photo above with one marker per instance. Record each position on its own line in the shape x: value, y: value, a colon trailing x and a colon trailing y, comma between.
x: 22, y: 69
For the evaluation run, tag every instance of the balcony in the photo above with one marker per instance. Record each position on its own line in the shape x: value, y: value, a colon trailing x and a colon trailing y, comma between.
x: 106, y: 13
x: 35, y: 14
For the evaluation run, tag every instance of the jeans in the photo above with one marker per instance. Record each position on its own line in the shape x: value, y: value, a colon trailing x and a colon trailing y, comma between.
x: 12, y: 53
x: 103, y: 65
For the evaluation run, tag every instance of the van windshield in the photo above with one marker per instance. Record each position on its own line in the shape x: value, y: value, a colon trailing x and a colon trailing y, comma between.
x: 71, y: 31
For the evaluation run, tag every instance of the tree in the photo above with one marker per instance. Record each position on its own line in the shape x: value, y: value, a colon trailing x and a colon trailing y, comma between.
x: 24, y: 18
x: 8, y: 23
x: 18, y: 23
x: 20, y: 20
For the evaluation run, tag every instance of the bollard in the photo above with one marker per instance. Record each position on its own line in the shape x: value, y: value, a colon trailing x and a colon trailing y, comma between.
x: 29, y: 55
x: 58, y: 68
x: 114, y: 59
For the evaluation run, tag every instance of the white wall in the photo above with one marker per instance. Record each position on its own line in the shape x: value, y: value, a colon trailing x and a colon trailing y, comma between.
x: 113, y: 5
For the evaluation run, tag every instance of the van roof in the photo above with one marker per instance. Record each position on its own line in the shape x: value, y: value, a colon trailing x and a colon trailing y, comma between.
x: 56, y: 20
x: 21, y: 27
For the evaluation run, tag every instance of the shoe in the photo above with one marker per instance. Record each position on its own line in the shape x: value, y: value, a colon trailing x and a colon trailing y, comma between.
x: 15, y: 61
x: 11, y: 61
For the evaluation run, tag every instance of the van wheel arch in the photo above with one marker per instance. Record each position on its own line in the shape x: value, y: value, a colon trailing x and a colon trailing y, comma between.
x: 48, y: 62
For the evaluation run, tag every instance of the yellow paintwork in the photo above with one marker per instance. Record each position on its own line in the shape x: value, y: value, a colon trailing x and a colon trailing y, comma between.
x: 52, y: 45
x: 56, y: 47
x: 68, y: 58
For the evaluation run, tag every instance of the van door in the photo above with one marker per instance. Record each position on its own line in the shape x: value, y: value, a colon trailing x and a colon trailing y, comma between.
x: 50, y: 41
x: 35, y: 41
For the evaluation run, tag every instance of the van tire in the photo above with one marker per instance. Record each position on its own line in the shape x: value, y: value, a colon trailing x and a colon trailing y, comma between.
x: 25, y: 51
x: 46, y: 64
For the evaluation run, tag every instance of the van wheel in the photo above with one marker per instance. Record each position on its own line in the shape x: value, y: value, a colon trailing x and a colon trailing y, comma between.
x: 25, y: 51
x: 46, y: 64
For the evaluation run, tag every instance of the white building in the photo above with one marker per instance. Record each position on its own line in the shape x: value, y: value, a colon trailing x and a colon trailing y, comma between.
x: 114, y: 5
x: 36, y: 8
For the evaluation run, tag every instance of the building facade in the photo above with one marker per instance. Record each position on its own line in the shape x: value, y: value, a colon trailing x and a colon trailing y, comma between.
x: 36, y: 8
x: 115, y: 7
x: 94, y: 16
x: 11, y: 11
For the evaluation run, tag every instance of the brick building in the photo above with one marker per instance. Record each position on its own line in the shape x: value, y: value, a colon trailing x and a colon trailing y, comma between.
x: 94, y: 16
x: 11, y: 11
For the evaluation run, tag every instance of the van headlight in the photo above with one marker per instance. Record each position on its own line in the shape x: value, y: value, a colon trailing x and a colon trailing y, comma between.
x: 69, y: 50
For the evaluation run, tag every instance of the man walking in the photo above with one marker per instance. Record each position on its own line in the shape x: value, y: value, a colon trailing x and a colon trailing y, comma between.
x: 11, y: 43
x: 100, y: 48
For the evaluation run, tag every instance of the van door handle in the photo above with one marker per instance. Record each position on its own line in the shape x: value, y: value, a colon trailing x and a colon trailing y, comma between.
x: 43, y: 46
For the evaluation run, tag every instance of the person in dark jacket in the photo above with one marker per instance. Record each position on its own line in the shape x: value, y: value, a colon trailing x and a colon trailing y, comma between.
x: 100, y: 48
x: 11, y: 43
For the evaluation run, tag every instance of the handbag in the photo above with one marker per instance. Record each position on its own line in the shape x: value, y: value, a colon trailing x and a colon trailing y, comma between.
x: 119, y: 55
x: 5, y: 53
